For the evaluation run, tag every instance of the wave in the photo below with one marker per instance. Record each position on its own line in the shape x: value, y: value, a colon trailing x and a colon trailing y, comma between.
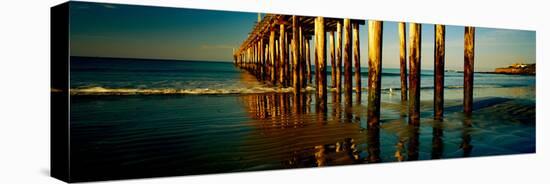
x: 142, y: 70
x: 456, y: 87
x: 366, y: 74
x: 234, y: 90
x: 172, y: 91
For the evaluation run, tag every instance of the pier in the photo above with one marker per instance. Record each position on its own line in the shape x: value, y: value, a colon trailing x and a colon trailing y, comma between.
x: 277, y: 52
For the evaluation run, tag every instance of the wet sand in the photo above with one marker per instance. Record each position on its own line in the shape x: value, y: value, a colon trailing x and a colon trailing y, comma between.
x: 115, y: 137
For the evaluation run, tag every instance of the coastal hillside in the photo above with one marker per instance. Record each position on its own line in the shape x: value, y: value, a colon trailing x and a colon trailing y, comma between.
x: 519, y: 68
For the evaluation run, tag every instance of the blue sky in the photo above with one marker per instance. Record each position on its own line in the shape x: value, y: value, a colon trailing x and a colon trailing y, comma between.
x: 109, y: 30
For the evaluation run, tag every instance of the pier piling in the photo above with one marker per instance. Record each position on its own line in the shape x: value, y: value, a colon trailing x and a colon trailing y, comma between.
x: 283, y: 55
x: 415, y: 32
x: 375, y: 72
x: 308, y: 62
x: 295, y: 57
x: 288, y: 59
x: 321, y: 55
x: 315, y: 54
x: 338, y: 56
x: 469, y: 36
x: 277, y: 60
x: 357, y: 61
x: 439, y: 70
x: 403, y: 60
x: 332, y: 60
x: 272, y: 56
x: 301, y: 58
x: 347, y: 61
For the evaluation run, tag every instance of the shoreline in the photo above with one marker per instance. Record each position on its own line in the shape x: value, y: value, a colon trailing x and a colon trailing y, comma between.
x: 504, y: 73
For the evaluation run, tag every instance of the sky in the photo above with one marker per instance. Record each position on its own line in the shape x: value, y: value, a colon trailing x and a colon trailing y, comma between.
x: 122, y: 31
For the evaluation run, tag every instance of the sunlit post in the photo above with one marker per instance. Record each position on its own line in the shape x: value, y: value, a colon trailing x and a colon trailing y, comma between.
x: 469, y: 36
x: 415, y: 32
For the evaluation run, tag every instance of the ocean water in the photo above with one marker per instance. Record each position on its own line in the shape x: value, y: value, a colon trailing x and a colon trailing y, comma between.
x: 132, y: 76
x: 144, y: 118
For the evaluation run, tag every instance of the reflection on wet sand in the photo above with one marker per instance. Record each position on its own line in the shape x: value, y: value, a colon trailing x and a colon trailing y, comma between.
x: 293, y: 113
x: 290, y: 111
x: 373, y: 144
x: 337, y: 108
x: 437, y: 140
x: 413, y: 143
x: 399, y: 151
x: 466, y: 137
x: 296, y: 132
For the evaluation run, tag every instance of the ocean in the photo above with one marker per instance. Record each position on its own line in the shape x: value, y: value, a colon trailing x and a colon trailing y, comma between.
x: 143, y: 117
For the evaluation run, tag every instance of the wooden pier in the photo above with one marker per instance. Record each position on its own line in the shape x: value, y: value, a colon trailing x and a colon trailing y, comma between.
x: 277, y: 52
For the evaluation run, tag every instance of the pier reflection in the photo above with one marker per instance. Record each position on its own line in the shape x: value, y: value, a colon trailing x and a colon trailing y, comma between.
x: 466, y: 137
x: 299, y: 133
x: 437, y: 140
x: 326, y: 136
x: 413, y: 142
x: 373, y: 144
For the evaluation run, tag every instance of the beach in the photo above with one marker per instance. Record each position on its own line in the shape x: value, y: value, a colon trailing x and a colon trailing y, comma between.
x: 161, y: 117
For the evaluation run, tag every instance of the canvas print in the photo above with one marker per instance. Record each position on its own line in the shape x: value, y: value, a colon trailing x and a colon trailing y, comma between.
x: 158, y: 91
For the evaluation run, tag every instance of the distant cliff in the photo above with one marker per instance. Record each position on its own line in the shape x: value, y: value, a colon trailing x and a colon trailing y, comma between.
x: 526, y: 69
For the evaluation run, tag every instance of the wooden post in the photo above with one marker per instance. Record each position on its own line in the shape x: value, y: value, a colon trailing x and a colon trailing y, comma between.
x: 282, y: 54
x: 338, y: 56
x: 276, y: 59
x: 267, y: 62
x: 308, y: 60
x: 288, y: 59
x: 321, y: 55
x: 415, y: 32
x: 357, y: 58
x: 257, y: 68
x: 254, y: 58
x: 272, y: 56
x: 347, y: 61
x: 295, y: 59
x: 439, y: 70
x: 375, y: 72
x: 262, y: 59
x: 291, y: 60
x: 403, y: 60
x: 315, y: 54
x: 259, y: 60
x: 304, y: 62
x: 469, y: 43
x: 301, y: 58
x: 332, y: 60
x: 249, y: 58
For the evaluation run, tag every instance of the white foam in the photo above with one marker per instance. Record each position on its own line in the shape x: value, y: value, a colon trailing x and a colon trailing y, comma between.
x: 168, y: 91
